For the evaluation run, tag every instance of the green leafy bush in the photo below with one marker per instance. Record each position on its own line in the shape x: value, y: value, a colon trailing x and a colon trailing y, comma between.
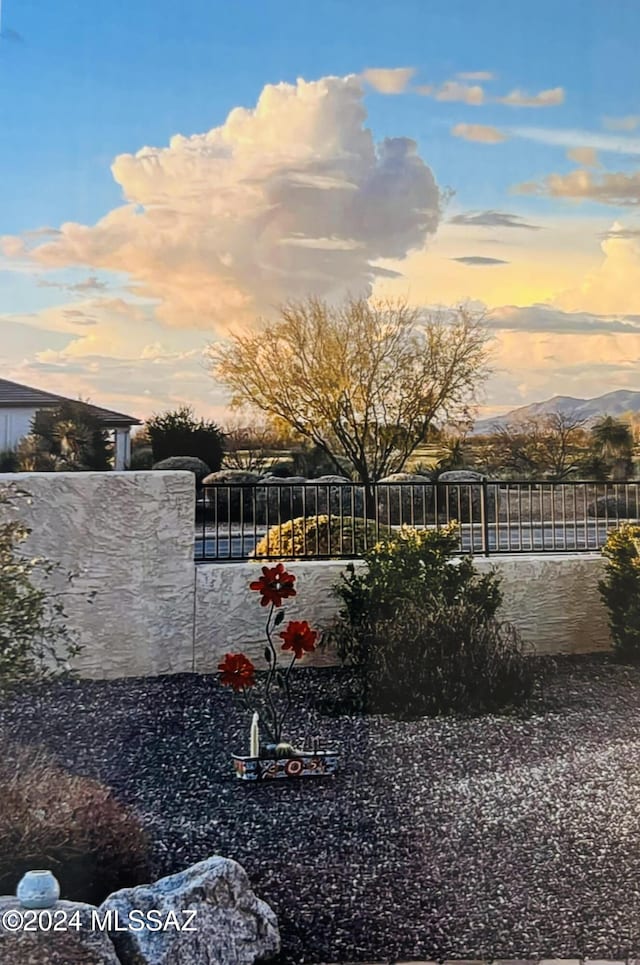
x: 421, y: 632
x: 141, y: 458
x: 445, y: 659
x: 180, y: 433
x: 315, y: 536
x: 9, y: 461
x: 35, y: 640
x: 72, y: 825
x: 185, y: 463
x: 620, y: 590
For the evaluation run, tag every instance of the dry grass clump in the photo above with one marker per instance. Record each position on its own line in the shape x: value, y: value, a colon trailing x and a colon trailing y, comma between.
x: 70, y: 824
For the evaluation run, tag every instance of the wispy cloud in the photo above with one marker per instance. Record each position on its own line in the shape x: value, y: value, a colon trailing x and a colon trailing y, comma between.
x: 543, y: 318
x: 492, y: 219
x: 478, y: 260
x: 480, y: 133
x: 474, y: 94
x: 476, y: 75
x: 614, y: 188
x: 630, y: 122
x: 544, y: 98
x: 586, y: 156
x: 617, y: 231
x: 453, y: 90
x: 571, y: 138
x: 388, y: 80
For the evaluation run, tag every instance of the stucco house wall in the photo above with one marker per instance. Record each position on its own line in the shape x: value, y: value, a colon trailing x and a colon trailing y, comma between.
x: 14, y: 426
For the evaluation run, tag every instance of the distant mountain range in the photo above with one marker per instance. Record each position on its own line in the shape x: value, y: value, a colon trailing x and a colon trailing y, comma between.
x: 612, y: 403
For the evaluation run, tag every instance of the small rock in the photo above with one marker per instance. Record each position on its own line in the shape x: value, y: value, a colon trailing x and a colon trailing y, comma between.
x: 80, y: 943
x: 231, y: 926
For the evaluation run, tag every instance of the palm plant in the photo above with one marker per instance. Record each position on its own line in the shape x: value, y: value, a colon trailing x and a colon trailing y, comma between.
x: 612, y: 440
x: 70, y: 437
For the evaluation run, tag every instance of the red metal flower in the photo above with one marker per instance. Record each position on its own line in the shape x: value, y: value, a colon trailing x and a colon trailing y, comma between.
x: 299, y: 637
x: 237, y: 671
x: 275, y: 585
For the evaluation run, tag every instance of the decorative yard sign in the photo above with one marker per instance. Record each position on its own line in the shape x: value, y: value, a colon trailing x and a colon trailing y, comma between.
x: 275, y: 759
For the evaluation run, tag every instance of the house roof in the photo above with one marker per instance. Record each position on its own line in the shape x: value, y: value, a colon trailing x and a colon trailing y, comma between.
x: 14, y: 395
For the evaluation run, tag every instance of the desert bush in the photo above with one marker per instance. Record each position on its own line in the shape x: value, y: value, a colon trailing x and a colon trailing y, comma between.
x: 35, y: 640
x: 187, y: 463
x: 421, y: 632
x: 445, y: 659
x: 72, y: 825
x: 620, y: 590
x: 315, y: 535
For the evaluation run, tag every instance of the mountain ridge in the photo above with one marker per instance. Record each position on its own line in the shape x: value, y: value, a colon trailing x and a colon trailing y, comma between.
x: 609, y: 404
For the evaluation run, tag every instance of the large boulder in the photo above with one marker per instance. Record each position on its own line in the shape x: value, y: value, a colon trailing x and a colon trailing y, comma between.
x: 614, y: 507
x: 335, y: 495
x: 185, y: 463
x: 235, y: 489
x: 231, y: 926
x: 405, y: 497
x: 281, y: 498
x: 80, y: 943
x: 461, y: 498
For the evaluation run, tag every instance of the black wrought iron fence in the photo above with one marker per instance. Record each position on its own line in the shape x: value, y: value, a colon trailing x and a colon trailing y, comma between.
x: 283, y: 520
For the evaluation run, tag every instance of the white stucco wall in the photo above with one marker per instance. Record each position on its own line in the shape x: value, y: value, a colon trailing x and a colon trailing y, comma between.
x: 553, y: 599
x: 130, y: 538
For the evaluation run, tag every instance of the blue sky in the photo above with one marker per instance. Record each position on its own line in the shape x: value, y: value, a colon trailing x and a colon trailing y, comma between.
x: 92, y: 82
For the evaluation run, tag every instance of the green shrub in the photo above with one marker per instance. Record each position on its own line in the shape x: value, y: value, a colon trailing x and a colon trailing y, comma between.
x: 444, y: 660
x: 420, y: 630
x: 141, y: 458
x: 72, y: 825
x: 9, y: 461
x: 35, y: 640
x: 314, y: 536
x: 620, y: 590
x: 187, y: 463
x: 180, y: 433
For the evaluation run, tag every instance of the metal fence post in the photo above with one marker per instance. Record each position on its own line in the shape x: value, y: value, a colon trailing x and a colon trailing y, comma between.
x: 484, y: 516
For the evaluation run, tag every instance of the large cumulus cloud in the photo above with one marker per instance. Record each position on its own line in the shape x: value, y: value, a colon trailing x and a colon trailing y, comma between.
x: 288, y: 198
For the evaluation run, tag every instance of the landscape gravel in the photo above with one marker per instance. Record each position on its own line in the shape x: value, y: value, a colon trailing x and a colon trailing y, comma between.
x: 506, y: 837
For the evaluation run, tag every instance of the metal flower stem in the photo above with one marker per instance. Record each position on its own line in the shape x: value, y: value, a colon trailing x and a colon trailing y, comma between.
x: 287, y: 689
x: 252, y: 707
x: 277, y: 725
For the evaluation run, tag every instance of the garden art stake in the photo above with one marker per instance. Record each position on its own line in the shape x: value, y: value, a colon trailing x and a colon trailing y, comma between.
x: 275, y: 758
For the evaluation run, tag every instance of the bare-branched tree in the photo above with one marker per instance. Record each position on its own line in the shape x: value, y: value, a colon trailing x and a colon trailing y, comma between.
x: 364, y: 381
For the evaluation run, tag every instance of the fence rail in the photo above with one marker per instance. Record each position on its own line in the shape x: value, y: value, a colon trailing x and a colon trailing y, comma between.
x: 333, y: 520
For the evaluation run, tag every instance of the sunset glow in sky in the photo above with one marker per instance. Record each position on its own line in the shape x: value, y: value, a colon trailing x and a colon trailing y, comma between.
x: 169, y: 172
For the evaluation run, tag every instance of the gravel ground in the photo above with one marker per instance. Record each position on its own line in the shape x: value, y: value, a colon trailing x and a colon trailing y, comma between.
x: 500, y: 837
